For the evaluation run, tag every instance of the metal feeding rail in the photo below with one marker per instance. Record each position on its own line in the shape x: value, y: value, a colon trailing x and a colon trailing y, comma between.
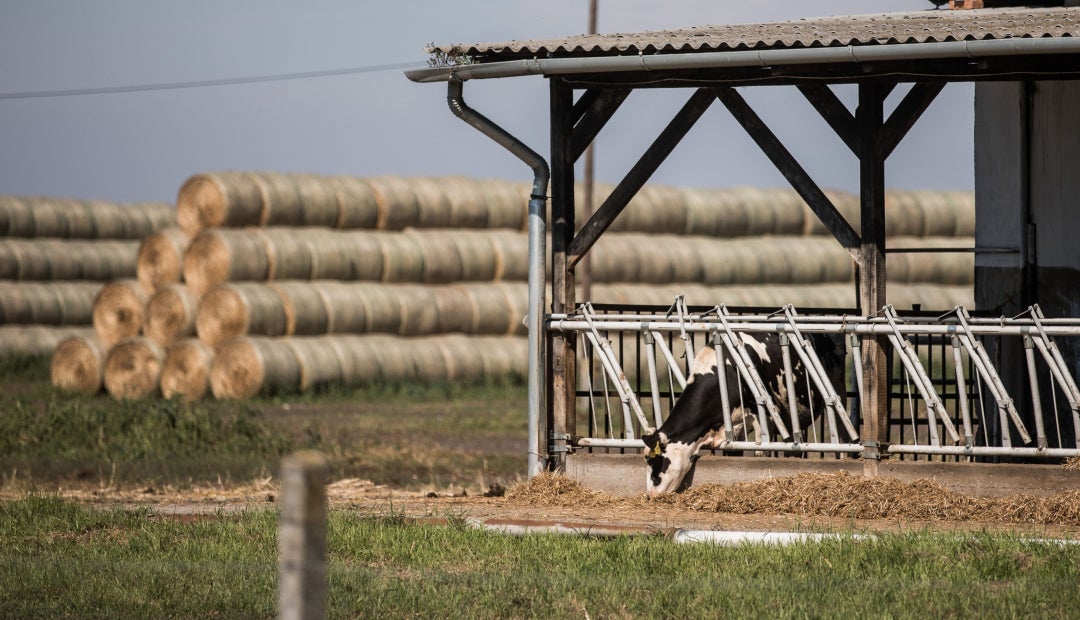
x: 964, y: 431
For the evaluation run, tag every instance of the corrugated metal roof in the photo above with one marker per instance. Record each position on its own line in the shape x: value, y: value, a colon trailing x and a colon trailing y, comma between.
x: 929, y: 26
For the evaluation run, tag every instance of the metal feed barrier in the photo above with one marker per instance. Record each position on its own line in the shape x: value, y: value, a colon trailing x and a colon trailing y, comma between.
x: 947, y: 400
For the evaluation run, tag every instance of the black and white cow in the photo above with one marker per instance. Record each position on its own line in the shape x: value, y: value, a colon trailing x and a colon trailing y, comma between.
x: 697, y: 419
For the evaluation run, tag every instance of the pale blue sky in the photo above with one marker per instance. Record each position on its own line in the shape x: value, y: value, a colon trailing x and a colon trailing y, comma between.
x: 143, y: 145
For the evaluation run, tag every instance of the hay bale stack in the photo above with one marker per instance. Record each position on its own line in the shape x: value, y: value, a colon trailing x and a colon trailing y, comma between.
x: 78, y: 365
x: 185, y: 373
x: 48, y: 303
x: 56, y: 259
x: 119, y: 311
x: 133, y: 368
x: 170, y: 314
x: 160, y: 259
x: 246, y: 367
x: 218, y: 256
x: 218, y: 199
x: 40, y: 216
x: 36, y: 340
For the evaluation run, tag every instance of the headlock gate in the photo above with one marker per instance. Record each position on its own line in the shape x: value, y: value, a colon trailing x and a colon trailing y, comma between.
x: 946, y: 401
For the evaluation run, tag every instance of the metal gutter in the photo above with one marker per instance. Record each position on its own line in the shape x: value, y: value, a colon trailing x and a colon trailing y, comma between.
x: 537, y: 239
x: 751, y: 58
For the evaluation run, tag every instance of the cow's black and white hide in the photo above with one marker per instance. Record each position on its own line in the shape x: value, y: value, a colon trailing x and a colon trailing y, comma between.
x: 697, y: 419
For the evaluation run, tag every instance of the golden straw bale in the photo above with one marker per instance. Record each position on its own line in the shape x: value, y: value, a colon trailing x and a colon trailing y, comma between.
x: 903, y: 216
x: 217, y: 199
x: 381, y: 307
x: 218, y: 256
x: 366, y: 261
x: 280, y: 199
x: 358, y: 365
x: 318, y: 200
x: 119, y: 311
x: 288, y: 255
x: 358, y: 207
x: 160, y: 259
x: 185, y: 373
x: 133, y: 368
x: 477, y: 253
x: 43, y: 216
x: 345, y: 313
x: 419, y: 310
x: 67, y: 259
x: 493, y: 312
x: 668, y: 213
x: 246, y: 367
x: 170, y: 314
x: 508, y: 205
x: 510, y: 250
x: 16, y: 218
x: 78, y: 365
x: 236, y: 309
x: 462, y: 357
x: 392, y: 356
x: 467, y: 202
x: 429, y: 363
x: 398, y: 207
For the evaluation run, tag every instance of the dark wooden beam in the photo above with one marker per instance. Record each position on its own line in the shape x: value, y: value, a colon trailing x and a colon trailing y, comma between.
x: 563, y: 402
x: 655, y: 155
x: 871, y: 270
x: 833, y: 111
x: 904, y: 116
x: 786, y: 163
x: 592, y: 118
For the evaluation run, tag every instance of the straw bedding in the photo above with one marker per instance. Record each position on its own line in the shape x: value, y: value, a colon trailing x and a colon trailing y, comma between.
x: 832, y: 495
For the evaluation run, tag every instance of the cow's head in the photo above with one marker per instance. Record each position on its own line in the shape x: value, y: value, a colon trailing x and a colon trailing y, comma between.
x: 668, y: 463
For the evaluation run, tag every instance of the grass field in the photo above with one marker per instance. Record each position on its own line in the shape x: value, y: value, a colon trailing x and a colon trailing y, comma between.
x: 64, y: 560
x: 60, y: 558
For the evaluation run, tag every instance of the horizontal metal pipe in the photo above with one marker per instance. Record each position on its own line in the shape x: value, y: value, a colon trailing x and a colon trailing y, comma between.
x: 736, y: 538
x: 750, y: 58
x: 818, y: 318
x: 574, y: 325
x: 770, y: 446
x: 984, y: 451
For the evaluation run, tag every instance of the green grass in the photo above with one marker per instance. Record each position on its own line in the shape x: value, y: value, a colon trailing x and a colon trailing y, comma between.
x: 58, y: 559
x: 408, y: 434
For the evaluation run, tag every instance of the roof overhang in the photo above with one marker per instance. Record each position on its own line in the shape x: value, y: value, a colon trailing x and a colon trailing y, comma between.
x: 773, y: 59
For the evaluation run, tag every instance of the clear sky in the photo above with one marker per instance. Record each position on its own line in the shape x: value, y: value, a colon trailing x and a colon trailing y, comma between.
x: 139, y: 146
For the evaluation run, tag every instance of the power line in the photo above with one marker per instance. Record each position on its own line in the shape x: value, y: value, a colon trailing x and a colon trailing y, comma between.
x: 138, y: 88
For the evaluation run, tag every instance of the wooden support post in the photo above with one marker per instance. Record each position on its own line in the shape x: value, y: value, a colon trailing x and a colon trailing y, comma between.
x: 563, y: 420
x: 302, y: 537
x: 871, y: 270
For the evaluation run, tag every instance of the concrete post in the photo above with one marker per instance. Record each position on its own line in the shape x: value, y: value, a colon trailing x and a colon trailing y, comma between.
x: 302, y: 537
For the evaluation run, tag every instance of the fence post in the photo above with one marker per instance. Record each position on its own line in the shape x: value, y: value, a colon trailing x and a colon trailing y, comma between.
x: 302, y: 537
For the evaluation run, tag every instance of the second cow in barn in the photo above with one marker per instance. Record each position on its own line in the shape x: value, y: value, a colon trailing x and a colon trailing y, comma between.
x: 697, y: 419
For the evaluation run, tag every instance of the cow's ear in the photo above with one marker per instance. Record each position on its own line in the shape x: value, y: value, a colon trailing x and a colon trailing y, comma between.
x: 652, y: 443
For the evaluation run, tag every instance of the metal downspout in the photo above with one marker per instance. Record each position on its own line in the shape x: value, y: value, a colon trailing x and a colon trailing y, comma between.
x: 537, y: 251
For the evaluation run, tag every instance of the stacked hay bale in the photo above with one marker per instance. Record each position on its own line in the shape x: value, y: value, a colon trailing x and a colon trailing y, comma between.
x: 284, y: 282
x: 56, y: 257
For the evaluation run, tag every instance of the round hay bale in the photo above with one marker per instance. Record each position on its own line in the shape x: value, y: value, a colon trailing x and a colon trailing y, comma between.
x: 47, y: 303
x: 170, y: 314
x: 492, y: 311
x: 133, y: 368
x: 211, y: 200
x: 77, y: 259
x: 455, y: 311
x: 381, y: 307
x: 288, y: 255
x: 668, y: 213
x: 36, y: 340
x: 402, y: 258
x: 467, y: 202
x: 398, y: 208
x: 119, y: 311
x: 503, y: 357
x: 218, y: 256
x: 345, y: 313
x: 717, y: 264
x: 477, y: 254
x: 441, y: 262
x: 391, y: 356
x: 507, y: 205
x: 245, y: 367
x: 461, y: 356
x: 365, y: 254
x: 160, y: 258
x: 319, y: 364
x: 432, y: 204
x: 510, y: 251
x: 903, y: 216
x: 185, y: 373
x: 358, y: 207
x: 305, y: 308
x: 429, y: 363
x: 15, y: 217
x: 236, y: 309
x: 108, y: 260
x: 318, y: 200
x: 280, y: 199
x: 78, y: 365
x: 358, y: 364
x: 419, y: 310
